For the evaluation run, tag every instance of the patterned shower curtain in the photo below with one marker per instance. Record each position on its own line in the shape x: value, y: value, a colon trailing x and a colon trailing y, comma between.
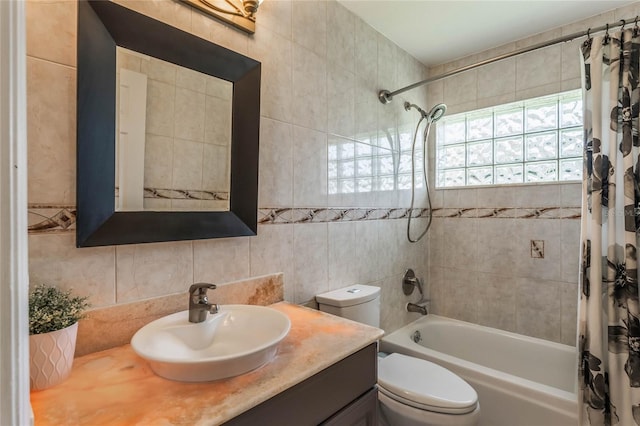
x: 609, y: 312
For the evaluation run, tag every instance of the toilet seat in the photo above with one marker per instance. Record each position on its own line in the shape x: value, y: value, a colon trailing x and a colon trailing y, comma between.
x: 424, y: 385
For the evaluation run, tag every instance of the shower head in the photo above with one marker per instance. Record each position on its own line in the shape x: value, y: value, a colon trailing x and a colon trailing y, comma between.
x: 437, y: 112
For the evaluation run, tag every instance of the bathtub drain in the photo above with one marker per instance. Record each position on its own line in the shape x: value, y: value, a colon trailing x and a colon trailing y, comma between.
x: 416, y: 337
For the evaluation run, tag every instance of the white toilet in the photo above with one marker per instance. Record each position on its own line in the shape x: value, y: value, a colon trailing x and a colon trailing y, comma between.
x: 411, y: 391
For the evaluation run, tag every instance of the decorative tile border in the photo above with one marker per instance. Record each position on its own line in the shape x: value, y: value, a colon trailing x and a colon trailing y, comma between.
x: 322, y: 215
x: 62, y: 218
x: 511, y: 213
x: 181, y: 194
x: 51, y: 218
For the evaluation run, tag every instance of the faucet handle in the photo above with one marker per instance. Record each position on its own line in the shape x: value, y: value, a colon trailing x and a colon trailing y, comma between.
x: 200, y: 288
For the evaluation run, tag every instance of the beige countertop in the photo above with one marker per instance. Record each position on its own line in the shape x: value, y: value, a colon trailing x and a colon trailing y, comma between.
x: 117, y: 387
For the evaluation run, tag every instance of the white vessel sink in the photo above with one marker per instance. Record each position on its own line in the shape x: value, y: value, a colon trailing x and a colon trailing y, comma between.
x: 238, y: 339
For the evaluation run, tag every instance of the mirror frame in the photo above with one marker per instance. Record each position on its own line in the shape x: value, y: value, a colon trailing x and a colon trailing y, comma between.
x: 103, y: 25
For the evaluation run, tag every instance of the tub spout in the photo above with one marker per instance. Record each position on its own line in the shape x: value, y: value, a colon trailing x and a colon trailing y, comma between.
x: 412, y: 307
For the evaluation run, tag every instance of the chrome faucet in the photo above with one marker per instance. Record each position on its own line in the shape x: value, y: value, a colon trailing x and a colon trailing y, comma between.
x: 414, y: 307
x: 409, y: 283
x: 199, y: 303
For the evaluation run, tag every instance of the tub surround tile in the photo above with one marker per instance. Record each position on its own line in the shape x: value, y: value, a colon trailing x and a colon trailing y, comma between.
x: 569, y: 315
x: 538, y: 308
x: 494, y: 291
x: 489, y: 86
x: 497, y: 255
x: 461, y: 88
x: 456, y: 303
x: 116, y: 376
x: 393, y: 312
x: 112, y: 326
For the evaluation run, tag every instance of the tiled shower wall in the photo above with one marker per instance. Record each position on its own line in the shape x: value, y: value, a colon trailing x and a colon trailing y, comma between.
x: 321, y: 70
x: 482, y: 268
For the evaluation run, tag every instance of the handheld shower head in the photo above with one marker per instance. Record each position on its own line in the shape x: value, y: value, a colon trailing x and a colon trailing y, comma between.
x: 437, y: 112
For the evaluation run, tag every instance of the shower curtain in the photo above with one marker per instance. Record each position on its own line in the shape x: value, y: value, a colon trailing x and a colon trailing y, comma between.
x: 609, y: 312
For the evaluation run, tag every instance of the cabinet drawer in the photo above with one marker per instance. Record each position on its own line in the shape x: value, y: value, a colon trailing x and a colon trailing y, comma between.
x: 319, y: 397
x: 361, y: 412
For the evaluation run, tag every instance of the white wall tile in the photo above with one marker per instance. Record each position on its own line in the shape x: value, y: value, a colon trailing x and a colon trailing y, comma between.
x: 51, y: 128
x: 274, y: 51
x: 539, y: 68
x: 461, y: 88
x: 54, y: 37
x: 538, y: 311
x: 310, y: 245
x: 309, y: 89
x: 342, y: 246
x: 219, y: 261
x: 310, y: 25
x: 276, y: 164
x: 55, y: 260
x: 271, y: 252
x: 496, y: 297
x: 148, y: 270
x: 341, y: 38
x: 309, y: 167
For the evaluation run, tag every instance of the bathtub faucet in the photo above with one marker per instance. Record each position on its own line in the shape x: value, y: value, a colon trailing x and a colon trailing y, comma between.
x: 413, y: 307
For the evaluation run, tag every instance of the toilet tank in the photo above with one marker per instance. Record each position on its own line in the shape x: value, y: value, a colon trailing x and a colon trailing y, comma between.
x: 357, y: 302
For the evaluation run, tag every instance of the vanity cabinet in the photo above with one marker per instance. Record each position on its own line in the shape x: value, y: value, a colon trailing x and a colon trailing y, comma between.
x: 343, y: 394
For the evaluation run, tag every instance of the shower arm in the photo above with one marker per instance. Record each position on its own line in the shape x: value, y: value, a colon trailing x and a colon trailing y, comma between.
x: 386, y: 96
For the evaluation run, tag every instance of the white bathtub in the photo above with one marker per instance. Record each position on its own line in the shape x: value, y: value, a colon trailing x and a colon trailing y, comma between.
x: 520, y: 380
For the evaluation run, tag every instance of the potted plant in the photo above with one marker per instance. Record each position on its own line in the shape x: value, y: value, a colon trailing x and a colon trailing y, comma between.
x: 53, y: 327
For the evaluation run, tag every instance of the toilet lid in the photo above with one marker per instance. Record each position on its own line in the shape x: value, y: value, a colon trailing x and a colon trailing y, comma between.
x: 425, y: 385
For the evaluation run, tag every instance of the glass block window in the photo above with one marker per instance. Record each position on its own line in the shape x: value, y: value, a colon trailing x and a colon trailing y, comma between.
x: 372, y: 162
x: 537, y: 140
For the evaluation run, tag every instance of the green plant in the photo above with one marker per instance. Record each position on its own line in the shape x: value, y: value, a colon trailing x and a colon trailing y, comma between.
x: 51, y: 309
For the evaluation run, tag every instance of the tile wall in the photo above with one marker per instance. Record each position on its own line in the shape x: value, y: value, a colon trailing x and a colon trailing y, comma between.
x: 321, y: 70
x: 326, y: 226
x: 481, y: 246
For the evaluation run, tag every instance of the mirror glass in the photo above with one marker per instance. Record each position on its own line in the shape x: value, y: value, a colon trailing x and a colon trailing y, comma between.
x: 167, y: 137
x: 174, y: 136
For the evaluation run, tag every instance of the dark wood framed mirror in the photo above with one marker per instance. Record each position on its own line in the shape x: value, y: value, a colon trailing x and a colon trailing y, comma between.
x: 102, y: 27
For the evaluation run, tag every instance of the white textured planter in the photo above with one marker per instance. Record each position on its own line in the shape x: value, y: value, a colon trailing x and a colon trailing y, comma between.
x: 51, y: 356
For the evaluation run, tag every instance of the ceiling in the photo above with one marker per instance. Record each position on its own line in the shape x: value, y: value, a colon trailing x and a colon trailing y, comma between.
x: 436, y: 32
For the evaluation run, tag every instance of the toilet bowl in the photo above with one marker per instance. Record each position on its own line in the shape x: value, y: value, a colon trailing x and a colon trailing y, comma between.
x: 411, y: 391
x: 416, y: 392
